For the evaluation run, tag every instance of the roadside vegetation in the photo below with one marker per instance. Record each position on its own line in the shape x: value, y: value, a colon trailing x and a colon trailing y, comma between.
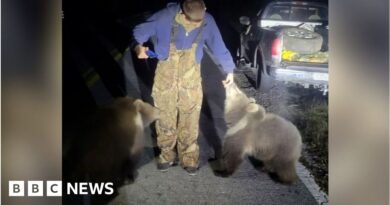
x: 311, y: 118
x: 313, y: 125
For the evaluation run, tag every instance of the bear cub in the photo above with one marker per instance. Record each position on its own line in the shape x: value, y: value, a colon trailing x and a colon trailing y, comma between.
x: 273, y: 140
x: 112, y: 142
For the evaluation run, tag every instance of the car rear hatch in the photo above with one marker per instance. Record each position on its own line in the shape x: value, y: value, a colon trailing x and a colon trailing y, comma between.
x: 301, y: 36
x: 308, y: 65
x: 301, y: 45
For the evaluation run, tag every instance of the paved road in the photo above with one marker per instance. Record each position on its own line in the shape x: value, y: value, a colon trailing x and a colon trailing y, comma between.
x: 246, y: 186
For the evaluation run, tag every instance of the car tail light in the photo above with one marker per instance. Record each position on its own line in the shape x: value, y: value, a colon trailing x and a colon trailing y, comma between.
x: 276, y: 51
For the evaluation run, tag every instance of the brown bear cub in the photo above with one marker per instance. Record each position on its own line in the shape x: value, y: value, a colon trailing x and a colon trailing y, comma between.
x: 112, y: 142
x: 269, y: 138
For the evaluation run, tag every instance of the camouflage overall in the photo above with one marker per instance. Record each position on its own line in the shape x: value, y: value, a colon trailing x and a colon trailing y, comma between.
x: 177, y: 92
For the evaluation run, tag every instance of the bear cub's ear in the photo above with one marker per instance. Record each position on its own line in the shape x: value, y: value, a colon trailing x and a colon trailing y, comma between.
x: 252, y: 107
x: 138, y: 104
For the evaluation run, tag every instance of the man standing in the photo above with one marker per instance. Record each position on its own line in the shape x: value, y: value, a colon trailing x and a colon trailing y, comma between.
x: 179, y: 33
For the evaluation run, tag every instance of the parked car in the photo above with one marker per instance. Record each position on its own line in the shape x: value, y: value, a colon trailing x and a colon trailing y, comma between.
x: 286, y: 41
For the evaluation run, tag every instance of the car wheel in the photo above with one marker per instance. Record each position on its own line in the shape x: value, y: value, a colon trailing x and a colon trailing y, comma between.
x: 263, y: 78
x: 264, y: 81
x: 301, y: 40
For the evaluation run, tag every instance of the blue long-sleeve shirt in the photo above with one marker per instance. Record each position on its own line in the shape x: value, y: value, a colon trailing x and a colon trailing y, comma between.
x: 159, y: 26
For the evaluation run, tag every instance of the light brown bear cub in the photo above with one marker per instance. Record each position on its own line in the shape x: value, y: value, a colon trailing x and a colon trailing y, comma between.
x: 269, y: 138
x: 113, y: 141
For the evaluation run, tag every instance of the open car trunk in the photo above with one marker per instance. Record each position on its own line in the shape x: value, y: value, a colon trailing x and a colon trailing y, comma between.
x: 301, y: 45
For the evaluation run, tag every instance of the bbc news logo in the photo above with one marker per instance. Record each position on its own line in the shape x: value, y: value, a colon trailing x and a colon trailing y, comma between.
x: 54, y: 188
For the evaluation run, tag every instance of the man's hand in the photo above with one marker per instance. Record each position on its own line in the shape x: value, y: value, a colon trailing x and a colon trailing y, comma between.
x: 141, y: 51
x: 229, y: 79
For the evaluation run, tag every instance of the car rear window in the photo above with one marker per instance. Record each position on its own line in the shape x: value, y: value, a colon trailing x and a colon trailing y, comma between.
x: 296, y: 13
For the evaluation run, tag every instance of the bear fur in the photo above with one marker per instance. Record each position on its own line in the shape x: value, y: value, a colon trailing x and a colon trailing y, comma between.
x: 273, y: 140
